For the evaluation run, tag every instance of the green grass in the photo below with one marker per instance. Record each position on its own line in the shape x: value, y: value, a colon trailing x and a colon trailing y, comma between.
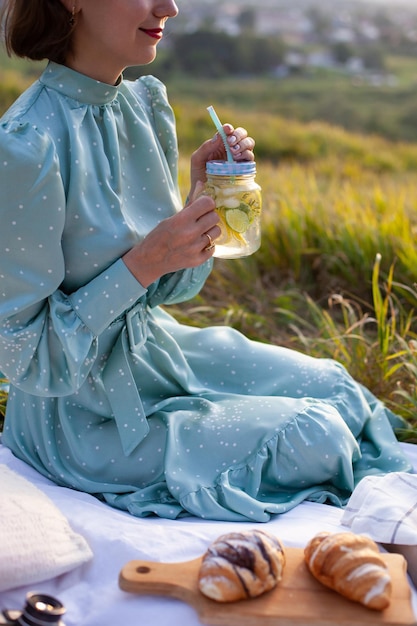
x: 15, y: 76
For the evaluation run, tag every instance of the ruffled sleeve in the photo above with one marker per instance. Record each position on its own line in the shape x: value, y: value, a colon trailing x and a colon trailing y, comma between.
x: 180, y: 286
x: 39, y: 323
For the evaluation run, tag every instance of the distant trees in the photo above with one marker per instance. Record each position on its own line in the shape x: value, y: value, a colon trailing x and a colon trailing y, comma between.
x: 212, y: 54
x: 247, y: 20
x: 371, y: 55
x: 321, y: 22
x: 374, y: 57
x: 342, y: 51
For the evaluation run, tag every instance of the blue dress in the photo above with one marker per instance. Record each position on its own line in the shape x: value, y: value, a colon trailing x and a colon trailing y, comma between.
x: 108, y: 393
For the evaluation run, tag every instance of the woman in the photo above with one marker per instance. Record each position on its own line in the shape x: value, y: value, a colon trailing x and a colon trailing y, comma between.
x: 109, y: 394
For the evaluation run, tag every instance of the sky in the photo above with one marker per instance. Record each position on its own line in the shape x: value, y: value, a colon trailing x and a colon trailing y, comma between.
x: 392, y: 3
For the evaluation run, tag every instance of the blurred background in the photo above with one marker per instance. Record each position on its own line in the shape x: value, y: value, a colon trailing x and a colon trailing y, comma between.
x: 348, y: 62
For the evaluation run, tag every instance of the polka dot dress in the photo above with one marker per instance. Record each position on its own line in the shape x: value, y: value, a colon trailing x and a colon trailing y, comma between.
x: 109, y: 394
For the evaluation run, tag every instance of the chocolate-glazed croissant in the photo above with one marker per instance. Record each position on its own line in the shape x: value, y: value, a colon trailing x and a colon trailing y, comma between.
x: 241, y: 565
x: 351, y: 565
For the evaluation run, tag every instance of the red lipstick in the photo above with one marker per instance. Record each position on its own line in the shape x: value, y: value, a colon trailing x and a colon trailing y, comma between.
x: 155, y: 33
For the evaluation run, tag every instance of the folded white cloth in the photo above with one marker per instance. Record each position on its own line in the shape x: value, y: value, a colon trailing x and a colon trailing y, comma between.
x: 384, y: 508
x: 36, y: 541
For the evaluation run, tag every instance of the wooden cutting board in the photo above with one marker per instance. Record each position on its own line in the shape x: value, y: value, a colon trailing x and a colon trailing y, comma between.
x: 298, y: 600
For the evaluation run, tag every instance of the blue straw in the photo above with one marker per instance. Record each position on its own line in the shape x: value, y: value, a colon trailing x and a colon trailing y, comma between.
x: 222, y: 134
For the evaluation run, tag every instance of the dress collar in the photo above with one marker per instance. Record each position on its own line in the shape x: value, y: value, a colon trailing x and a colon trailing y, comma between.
x: 78, y: 86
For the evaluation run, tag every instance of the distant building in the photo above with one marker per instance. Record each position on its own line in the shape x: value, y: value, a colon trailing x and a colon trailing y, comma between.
x: 293, y: 26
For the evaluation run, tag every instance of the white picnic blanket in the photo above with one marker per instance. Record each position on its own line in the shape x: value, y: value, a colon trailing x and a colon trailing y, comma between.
x: 90, y: 591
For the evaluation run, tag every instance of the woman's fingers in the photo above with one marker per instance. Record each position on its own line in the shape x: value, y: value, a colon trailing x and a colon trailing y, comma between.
x: 241, y: 144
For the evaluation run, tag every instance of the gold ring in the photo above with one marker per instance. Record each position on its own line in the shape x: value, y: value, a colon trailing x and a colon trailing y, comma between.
x: 211, y: 244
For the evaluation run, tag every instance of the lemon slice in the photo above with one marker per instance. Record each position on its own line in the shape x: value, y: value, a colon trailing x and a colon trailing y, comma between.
x: 237, y: 219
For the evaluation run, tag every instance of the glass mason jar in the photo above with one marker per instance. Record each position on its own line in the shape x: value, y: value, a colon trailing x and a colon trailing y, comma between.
x: 238, y: 203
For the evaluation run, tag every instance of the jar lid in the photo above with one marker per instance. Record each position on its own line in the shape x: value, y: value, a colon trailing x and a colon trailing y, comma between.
x: 226, y: 168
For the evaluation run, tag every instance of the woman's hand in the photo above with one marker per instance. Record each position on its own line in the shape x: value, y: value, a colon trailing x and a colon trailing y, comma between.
x: 213, y: 149
x: 178, y: 242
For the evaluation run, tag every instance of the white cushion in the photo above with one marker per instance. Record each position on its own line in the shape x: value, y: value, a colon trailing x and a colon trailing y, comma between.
x: 36, y: 540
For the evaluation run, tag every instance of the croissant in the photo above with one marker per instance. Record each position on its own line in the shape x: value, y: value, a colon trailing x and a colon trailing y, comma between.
x: 241, y: 565
x: 351, y: 565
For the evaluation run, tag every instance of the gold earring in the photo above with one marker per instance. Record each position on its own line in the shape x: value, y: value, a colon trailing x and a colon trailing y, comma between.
x: 72, y: 18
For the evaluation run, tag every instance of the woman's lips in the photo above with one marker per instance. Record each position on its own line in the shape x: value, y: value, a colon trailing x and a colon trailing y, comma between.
x: 155, y: 33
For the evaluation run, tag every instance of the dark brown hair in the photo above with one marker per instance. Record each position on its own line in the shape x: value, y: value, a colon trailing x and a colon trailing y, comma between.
x: 37, y: 29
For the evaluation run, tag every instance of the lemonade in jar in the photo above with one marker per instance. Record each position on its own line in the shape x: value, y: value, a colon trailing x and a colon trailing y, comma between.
x: 238, y: 203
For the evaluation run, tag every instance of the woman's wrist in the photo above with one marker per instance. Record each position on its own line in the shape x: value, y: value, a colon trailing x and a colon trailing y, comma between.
x: 144, y: 272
